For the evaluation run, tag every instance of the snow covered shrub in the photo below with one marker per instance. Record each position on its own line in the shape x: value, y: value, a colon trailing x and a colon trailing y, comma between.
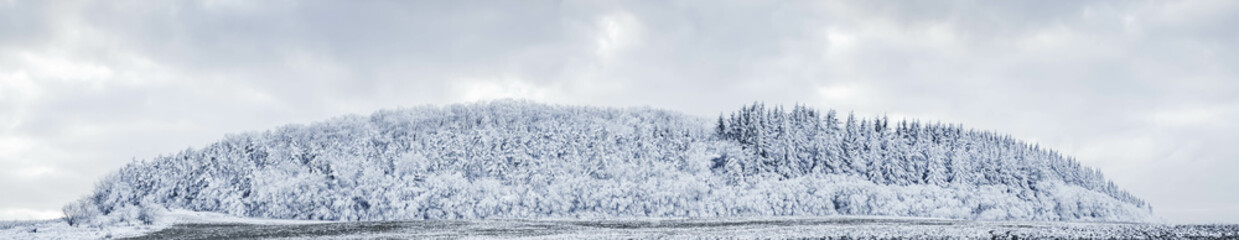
x: 150, y: 212
x: 80, y: 212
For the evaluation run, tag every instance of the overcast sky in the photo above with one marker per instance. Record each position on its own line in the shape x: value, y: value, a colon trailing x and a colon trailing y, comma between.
x: 1147, y: 91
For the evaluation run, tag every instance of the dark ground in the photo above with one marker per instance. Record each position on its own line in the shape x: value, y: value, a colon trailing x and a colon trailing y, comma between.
x: 775, y: 228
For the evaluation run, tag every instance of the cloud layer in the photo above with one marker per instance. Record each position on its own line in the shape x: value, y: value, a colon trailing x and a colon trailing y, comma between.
x: 1143, y: 90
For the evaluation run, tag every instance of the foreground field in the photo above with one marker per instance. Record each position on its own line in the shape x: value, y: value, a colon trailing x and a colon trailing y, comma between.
x: 766, y: 228
x: 197, y: 225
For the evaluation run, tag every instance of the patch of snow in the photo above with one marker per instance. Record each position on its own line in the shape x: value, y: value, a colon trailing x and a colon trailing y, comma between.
x: 181, y: 216
x: 59, y: 229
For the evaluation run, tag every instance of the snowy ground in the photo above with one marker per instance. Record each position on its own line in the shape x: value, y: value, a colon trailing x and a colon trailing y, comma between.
x: 58, y: 229
x: 188, y: 225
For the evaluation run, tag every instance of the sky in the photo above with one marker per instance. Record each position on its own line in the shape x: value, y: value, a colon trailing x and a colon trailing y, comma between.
x: 1139, y: 89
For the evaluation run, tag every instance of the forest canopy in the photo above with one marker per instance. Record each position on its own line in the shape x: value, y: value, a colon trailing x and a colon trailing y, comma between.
x: 518, y: 159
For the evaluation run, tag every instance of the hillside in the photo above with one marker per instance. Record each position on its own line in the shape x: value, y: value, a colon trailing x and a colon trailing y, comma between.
x: 515, y: 159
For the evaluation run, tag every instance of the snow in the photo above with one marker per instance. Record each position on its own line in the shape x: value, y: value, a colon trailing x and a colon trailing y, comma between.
x: 215, y: 226
x: 520, y: 160
x: 181, y: 216
x: 59, y: 229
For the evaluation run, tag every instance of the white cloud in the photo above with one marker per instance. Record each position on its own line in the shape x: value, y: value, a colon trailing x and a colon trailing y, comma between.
x: 506, y: 87
x: 43, y: 66
x: 25, y: 213
x: 11, y: 147
x: 1192, y: 116
x: 616, y: 31
x: 17, y: 85
x: 839, y: 42
x: 16, y: 91
x: 838, y: 92
x: 34, y: 172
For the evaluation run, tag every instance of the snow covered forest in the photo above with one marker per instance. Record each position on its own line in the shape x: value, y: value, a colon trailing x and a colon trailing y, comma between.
x: 518, y: 159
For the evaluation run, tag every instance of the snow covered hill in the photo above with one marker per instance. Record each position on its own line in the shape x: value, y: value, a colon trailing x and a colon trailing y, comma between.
x: 516, y: 159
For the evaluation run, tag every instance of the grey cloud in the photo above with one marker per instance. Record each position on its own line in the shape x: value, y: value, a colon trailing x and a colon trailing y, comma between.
x: 1084, y: 77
